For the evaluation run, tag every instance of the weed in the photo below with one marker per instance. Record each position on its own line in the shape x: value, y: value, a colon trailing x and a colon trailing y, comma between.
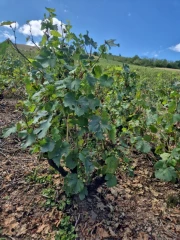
x: 66, y: 231
x: 173, y: 200
x: 51, y: 201
x: 33, y: 177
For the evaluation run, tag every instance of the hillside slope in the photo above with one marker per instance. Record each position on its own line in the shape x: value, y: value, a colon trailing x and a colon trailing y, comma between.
x: 28, y: 51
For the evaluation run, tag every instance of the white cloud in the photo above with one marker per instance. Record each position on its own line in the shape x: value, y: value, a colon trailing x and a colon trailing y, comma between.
x: 175, y: 48
x: 36, y: 27
x: 156, y: 55
x: 6, y: 34
x: 15, y: 24
x: 59, y: 24
x: 65, y: 10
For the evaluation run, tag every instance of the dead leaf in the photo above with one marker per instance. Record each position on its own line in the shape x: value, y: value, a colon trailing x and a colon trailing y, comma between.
x: 20, y: 209
x: 112, y: 232
x: 22, y: 230
x: 142, y: 236
x: 10, y: 225
x: 43, y: 227
x: 178, y: 228
x: 126, y: 234
x: 155, y: 194
x: 100, y: 232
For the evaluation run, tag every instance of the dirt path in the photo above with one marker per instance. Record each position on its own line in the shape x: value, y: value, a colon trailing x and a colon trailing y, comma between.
x: 137, y: 208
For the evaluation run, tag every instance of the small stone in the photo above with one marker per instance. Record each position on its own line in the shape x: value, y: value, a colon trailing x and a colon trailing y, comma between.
x: 116, y: 225
x: 178, y: 228
x: 93, y: 215
x: 122, y: 215
x: 114, y: 192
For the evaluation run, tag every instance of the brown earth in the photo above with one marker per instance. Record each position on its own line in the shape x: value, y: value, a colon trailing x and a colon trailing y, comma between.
x: 141, y: 207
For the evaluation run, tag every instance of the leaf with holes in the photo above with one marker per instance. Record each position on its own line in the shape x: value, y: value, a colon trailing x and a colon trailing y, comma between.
x: 70, y: 100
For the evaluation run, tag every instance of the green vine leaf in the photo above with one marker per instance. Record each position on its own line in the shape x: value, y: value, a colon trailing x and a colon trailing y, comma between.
x: 60, y: 149
x: 86, y: 160
x: 106, y: 81
x: 8, y: 23
x: 7, y: 132
x: 166, y: 174
x: 143, y: 146
x: 55, y: 33
x: 112, y: 134
x: 70, y: 100
x: 83, y: 193
x: 93, y: 102
x: 81, y: 106
x: 73, y: 184
x: 40, y: 114
x: 111, y: 180
x: 111, y: 164
x: 97, y: 71
x: 48, y: 145
x: 30, y: 139
x: 89, y: 41
x: 98, y: 126
x: 176, y: 118
x: 71, y: 160
x: 75, y: 85
x: 50, y: 10
x: 41, y: 131
x: 111, y: 43
x: 165, y: 156
x: 91, y: 80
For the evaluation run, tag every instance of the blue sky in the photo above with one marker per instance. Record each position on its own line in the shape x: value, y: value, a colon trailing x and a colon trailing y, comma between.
x: 148, y: 28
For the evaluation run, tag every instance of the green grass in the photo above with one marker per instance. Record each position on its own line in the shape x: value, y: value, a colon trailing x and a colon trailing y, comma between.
x: 107, y: 62
x: 146, y: 74
x: 3, y: 47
